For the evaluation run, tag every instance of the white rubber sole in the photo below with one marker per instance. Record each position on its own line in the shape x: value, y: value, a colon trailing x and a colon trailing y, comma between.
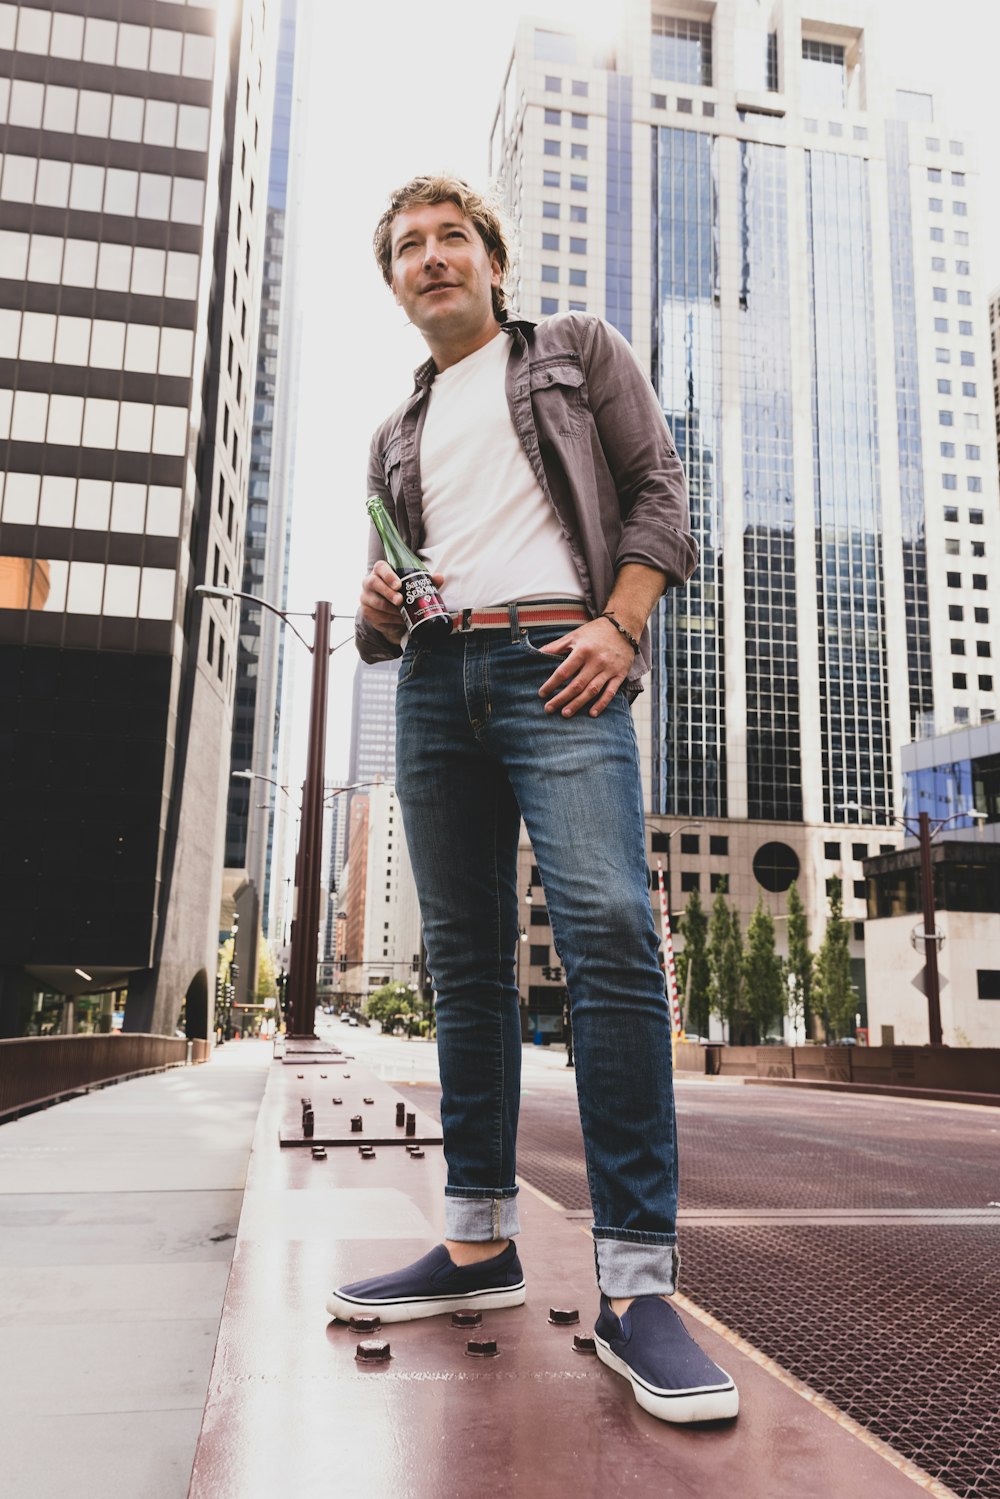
x: 409, y: 1311
x: 717, y: 1403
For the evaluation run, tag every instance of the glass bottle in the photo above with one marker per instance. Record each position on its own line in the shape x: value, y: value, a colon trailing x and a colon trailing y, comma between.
x: 423, y: 608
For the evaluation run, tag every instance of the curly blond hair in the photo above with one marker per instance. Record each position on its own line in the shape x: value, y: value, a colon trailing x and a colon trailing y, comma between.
x: 483, y: 213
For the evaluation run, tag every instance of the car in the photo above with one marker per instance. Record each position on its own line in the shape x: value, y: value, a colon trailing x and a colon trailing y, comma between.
x: 351, y: 1020
x: 345, y: 1019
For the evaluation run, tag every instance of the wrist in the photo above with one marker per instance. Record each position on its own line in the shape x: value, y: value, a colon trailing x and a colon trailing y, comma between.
x: 622, y: 629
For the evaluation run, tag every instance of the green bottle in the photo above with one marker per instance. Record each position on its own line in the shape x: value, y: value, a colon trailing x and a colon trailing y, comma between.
x: 423, y: 609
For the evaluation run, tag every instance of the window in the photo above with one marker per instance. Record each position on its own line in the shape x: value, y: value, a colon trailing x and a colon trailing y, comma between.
x: 578, y: 184
x: 972, y: 451
x: 970, y: 420
x: 860, y: 889
x: 985, y: 684
x: 553, y: 85
x: 549, y: 305
x: 984, y: 648
x: 956, y: 612
x: 67, y: 36
x: 577, y: 213
x: 939, y: 294
x: 578, y: 122
x: 932, y: 144
x: 550, y: 241
x: 937, y: 234
x: 961, y: 267
x: 946, y: 418
x: 944, y: 387
x: 577, y: 306
x: 550, y: 210
x: 936, y: 205
x: 578, y: 151
x: 690, y: 843
x: 954, y: 580
x: 959, y: 680
x: 967, y: 357
x: 942, y: 356
x: 716, y: 882
x: 553, y: 148
x: 681, y: 50
x: 979, y: 549
x: 960, y: 208
x: 937, y: 263
x: 940, y: 325
x: 965, y: 298
x: 553, y: 116
x: 982, y: 616
x: 539, y: 953
x: 577, y: 246
x: 988, y: 983
x: 947, y: 450
x: 718, y: 845
x: 933, y: 174
x: 979, y: 581
x: 690, y: 881
x: 950, y: 481
x: 550, y: 273
x: 968, y: 388
x: 859, y: 850
x: 577, y: 277
x: 551, y: 179
x: 958, y: 647
x: 975, y: 517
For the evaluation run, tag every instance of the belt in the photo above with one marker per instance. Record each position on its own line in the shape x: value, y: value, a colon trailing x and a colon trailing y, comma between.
x: 516, y: 616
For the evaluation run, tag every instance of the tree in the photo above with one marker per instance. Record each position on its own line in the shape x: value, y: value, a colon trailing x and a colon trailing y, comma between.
x: 725, y: 959
x: 799, y: 963
x: 694, y: 980
x: 387, y: 1005
x: 834, y: 993
x: 763, y: 981
x: 267, y: 983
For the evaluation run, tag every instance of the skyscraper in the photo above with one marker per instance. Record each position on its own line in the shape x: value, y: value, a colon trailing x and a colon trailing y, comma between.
x: 373, y: 722
x: 252, y: 807
x: 134, y: 169
x: 785, y: 233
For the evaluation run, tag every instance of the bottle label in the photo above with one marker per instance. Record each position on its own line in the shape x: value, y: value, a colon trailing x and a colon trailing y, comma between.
x: 421, y: 600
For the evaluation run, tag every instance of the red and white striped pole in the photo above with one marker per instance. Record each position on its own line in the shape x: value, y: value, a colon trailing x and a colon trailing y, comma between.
x: 676, y: 1022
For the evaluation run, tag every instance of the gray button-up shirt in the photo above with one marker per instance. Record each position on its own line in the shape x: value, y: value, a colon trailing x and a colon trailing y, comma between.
x: 598, y: 444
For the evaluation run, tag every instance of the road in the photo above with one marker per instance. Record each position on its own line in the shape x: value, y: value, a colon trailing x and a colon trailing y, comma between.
x: 853, y: 1239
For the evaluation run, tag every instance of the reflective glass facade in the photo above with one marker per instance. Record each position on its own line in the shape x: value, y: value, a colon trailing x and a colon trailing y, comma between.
x: 247, y: 720
x: 911, y: 457
x: 854, y: 722
x: 774, y: 763
x: 689, y: 766
x: 618, y: 276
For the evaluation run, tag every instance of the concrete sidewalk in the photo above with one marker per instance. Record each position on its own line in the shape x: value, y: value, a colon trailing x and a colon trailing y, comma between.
x: 118, y: 1217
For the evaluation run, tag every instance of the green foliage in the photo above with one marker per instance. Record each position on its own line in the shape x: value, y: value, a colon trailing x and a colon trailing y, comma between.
x: 694, y: 980
x: 387, y: 1004
x: 267, y: 983
x: 763, y: 981
x: 833, y: 991
x: 725, y: 958
x: 799, y: 963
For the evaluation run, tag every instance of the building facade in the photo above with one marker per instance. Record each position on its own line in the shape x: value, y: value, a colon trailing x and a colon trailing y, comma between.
x: 786, y: 235
x: 133, y: 191
x: 252, y: 810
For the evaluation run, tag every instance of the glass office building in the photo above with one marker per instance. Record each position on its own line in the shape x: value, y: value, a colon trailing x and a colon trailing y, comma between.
x: 133, y: 171
x: 787, y: 238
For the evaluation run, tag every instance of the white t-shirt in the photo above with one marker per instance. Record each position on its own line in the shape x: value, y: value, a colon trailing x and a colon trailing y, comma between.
x: 488, y: 526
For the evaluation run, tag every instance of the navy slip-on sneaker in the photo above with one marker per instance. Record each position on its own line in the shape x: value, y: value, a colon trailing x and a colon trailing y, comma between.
x: 669, y: 1374
x: 431, y: 1286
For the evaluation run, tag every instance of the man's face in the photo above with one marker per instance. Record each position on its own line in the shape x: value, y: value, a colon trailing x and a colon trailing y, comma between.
x: 442, y: 274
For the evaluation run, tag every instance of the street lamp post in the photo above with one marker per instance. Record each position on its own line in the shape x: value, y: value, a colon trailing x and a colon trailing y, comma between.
x: 924, y: 834
x: 305, y: 927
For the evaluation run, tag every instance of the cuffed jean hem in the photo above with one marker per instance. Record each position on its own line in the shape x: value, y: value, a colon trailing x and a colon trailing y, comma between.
x: 477, y: 1220
x: 631, y: 1267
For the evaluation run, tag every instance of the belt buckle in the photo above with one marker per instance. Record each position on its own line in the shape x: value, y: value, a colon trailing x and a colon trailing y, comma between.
x: 464, y: 621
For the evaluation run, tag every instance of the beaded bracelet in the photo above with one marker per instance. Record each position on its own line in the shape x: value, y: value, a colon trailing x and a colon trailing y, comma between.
x: 623, y: 632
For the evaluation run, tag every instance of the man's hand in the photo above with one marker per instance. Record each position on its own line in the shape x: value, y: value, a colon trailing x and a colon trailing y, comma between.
x: 597, y: 661
x: 381, y: 598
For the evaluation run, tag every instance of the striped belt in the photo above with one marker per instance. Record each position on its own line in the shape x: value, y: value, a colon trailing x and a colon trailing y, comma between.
x: 517, y: 616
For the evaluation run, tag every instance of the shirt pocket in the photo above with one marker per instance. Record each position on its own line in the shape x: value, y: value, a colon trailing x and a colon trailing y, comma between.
x: 557, y: 397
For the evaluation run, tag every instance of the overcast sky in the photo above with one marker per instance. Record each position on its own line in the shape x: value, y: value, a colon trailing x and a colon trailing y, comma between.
x: 395, y: 89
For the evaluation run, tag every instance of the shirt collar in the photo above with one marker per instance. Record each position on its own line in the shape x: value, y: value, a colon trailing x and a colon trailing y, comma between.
x: 424, y: 375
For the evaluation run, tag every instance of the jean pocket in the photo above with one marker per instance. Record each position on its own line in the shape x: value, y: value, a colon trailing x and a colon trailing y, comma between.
x: 533, y: 640
x: 412, y: 663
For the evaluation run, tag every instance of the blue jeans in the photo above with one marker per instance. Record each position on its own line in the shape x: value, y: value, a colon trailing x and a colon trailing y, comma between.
x: 475, y: 752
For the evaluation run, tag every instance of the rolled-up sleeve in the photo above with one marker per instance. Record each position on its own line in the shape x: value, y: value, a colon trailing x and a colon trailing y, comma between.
x: 640, y: 451
x: 371, y: 643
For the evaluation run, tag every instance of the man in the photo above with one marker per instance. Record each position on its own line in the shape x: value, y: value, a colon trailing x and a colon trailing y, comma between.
x: 533, y: 469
